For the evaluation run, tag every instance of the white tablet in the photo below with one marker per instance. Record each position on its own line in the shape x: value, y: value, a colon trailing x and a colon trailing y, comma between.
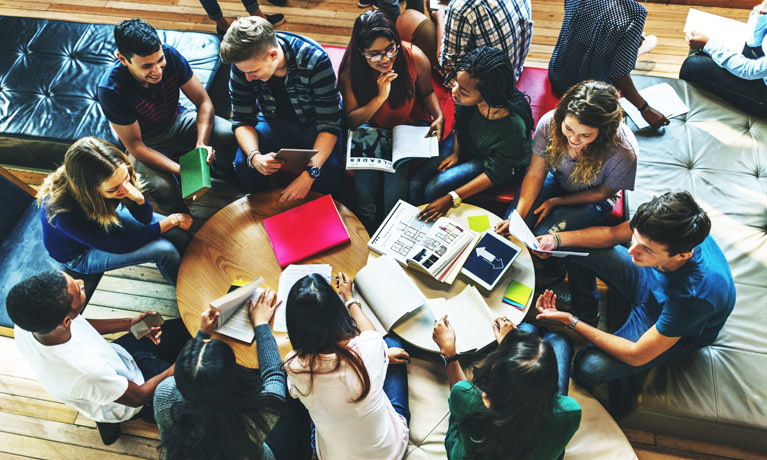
x: 490, y: 259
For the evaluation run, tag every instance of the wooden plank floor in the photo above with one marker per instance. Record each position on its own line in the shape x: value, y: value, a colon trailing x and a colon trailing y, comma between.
x: 34, y: 425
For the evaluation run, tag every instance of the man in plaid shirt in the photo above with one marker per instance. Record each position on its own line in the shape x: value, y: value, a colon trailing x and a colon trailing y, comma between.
x: 284, y: 95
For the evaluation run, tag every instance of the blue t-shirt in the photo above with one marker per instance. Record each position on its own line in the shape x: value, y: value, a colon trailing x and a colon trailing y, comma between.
x: 695, y: 300
x: 125, y: 101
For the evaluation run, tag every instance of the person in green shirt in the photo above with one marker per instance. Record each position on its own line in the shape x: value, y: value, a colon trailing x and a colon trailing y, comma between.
x: 491, y: 143
x: 516, y: 406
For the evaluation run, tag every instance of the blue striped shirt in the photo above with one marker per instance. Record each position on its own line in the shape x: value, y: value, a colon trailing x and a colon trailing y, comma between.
x: 599, y: 40
x: 310, y: 83
x: 503, y: 24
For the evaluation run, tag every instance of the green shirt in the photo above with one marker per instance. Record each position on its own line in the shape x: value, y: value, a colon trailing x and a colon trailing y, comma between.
x: 503, y: 144
x: 556, y: 432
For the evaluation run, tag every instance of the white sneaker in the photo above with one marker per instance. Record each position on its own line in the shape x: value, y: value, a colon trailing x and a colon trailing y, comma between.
x: 648, y: 43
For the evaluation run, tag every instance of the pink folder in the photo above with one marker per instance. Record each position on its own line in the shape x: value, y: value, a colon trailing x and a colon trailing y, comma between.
x: 306, y: 230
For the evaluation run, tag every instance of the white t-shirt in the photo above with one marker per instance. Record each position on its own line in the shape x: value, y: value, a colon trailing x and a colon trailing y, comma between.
x: 86, y: 372
x: 370, y: 429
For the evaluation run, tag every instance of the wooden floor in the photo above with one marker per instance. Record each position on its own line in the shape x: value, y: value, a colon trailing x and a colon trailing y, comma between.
x: 34, y: 425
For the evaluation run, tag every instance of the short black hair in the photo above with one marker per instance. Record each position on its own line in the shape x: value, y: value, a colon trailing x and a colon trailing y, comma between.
x: 135, y: 36
x: 40, y: 302
x: 673, y: 219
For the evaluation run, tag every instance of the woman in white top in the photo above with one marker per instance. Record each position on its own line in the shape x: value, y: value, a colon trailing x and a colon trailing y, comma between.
x: 352, y: 384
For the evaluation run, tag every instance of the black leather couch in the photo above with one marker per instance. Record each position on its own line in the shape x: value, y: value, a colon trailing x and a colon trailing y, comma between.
x: 49, y: 74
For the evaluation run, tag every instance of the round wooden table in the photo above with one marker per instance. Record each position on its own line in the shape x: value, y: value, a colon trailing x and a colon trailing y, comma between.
x: 417, y: 329
x: 233, y: 245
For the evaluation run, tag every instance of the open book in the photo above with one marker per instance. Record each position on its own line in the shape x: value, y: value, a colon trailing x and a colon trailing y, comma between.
x: 521, y: 231
x: 390, y: 298
x: 385, y: 149
x: 437, y: 248
x: 234, y: 321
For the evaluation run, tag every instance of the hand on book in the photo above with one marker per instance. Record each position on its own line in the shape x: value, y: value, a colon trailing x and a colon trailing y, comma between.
x: 654, y: 118
x: 211, y: 153
x: 261, y: 311
x: 436, y: 209
x: 444, y: 336
x: 436, y: 127
x: 209, y: 320
x: 155, y: 332
x: 696, y: 40
x: 501, y: 326
x: 344, y: 284
x: 547, y: 308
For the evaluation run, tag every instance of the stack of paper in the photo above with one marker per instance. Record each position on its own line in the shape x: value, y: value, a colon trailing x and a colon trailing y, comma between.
x: 517, y: 295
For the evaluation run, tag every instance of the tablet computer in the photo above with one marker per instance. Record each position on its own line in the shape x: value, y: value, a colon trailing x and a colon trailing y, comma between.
x: 490, y: 259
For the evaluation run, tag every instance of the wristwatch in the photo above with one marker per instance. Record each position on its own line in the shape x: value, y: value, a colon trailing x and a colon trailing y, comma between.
x: 447, y: 360
x: 313, y: 171
x: 571, y: 327
x: 456, y: 198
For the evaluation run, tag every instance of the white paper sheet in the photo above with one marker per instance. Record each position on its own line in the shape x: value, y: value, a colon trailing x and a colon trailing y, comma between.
x: 522, y: 232
x: 662, y: 98
x: 729, y: 32
x: 290, y: 275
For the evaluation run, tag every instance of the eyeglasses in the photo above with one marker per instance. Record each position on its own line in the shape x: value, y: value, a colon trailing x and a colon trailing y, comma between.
x: 389, y: 52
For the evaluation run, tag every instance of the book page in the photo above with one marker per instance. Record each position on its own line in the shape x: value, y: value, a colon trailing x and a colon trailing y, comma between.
x: 230, y: 302
x: 400, y: 232
x: 369, y: 148
x: 521, y: 231
x: 662, y: 98
x: 729, y: 32
x: 288, y: 278
x: 469, y: 315
x: 238, y: 325
x: 411, y: 142
x: 388, y: 291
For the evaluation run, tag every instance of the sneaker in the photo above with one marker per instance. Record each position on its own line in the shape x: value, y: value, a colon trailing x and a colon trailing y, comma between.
x: 109, y: 432
x: 648, y: 43
x: 365, y: 3
x: 276, y: 20
x: 278, y: 2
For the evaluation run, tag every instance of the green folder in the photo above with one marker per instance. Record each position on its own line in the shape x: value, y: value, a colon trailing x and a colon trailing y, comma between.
x: 195, y: 174
x: 518, y: 293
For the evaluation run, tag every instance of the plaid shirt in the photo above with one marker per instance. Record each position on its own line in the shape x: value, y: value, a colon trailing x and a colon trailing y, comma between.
x: 503, y: 24
x: 310, y: 83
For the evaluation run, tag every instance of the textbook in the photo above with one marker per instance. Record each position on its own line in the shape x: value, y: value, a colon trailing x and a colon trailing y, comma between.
x: 306, y: 230
x: 234, y: 320
x: 195, y: 174
x: 382, y: 149
x: 437, y: 248
x: 389, y: 298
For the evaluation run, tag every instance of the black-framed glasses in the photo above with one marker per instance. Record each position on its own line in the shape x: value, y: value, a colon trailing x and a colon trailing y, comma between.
x: 389, y: 52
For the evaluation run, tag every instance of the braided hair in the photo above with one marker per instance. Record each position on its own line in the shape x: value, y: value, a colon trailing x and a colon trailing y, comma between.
x: 494, y: 75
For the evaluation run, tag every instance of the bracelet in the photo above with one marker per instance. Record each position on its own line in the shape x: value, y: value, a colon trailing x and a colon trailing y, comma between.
x: 644, y: 106
x: 559, y: 242
x: 571, y: 327
x: 178, y: 221
x: 251, y: 154
x: 351, y: 301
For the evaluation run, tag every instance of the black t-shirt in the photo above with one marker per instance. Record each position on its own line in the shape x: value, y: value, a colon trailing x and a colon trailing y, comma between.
x: 282, y: 100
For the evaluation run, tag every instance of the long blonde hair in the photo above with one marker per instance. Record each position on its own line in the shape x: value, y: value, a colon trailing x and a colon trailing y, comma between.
x: 593, y: 103
x: 87, y: 163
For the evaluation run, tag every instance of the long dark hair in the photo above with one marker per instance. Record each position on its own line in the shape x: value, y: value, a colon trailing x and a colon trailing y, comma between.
x: 226, y: 414
x: 369, y: 26
x: 520, y: 380
x: 318, y: 322
x: 494, y: 74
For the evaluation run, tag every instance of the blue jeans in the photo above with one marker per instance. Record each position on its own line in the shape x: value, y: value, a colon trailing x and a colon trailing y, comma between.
x: 276, y: 134
x: 366, y: 185
x: 290, y: 437
x: 161, y: 252
x: 614, y: 266
x: 153, y: 359
x: 214, y: 11
x: 563, y: 350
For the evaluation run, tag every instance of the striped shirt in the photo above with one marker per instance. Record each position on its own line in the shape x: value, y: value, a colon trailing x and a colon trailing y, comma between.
x: 124, y: 101
x: 599, y: 40
x: 503, y: 24
x: 310, y: 83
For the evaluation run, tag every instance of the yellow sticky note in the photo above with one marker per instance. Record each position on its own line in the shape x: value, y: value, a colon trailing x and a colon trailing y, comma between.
x: 479, y: 223
x: 518, y: 292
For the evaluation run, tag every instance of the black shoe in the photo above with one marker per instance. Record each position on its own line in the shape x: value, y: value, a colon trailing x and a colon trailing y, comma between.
x: 276, y: 20
x: 365, y: 3
x: 109, y: 432
x: 278, y: 2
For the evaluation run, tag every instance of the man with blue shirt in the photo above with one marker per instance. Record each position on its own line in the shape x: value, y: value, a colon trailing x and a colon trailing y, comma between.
x: 284, y: 95
x: 674, y: 275
x: 140, y: 97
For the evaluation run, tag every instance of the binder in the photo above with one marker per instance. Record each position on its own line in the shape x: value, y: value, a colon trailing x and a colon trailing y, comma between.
x: 195, y: 174
x: 306, y: 230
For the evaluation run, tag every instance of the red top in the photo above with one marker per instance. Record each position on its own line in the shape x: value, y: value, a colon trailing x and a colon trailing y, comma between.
x: 412, y: 110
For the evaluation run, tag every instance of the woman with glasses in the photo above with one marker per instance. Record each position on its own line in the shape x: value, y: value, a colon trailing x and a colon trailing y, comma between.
x: 384, y: 83
x: 491, y: 143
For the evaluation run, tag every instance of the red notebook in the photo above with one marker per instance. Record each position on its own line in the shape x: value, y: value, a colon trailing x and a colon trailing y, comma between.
x: 306, y: 230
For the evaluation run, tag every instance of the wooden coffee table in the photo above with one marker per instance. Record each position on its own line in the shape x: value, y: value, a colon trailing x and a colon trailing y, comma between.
x: 234, y: 245
x: 417, y: 329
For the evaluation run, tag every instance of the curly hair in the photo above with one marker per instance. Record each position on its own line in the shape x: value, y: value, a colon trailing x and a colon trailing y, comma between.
x: 593, y: 103
x: 39, y: 303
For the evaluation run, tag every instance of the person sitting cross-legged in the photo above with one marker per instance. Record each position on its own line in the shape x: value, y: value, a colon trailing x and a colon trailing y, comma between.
x: 674, y: 275
x: 109, y: 383
x: 284, y: 95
